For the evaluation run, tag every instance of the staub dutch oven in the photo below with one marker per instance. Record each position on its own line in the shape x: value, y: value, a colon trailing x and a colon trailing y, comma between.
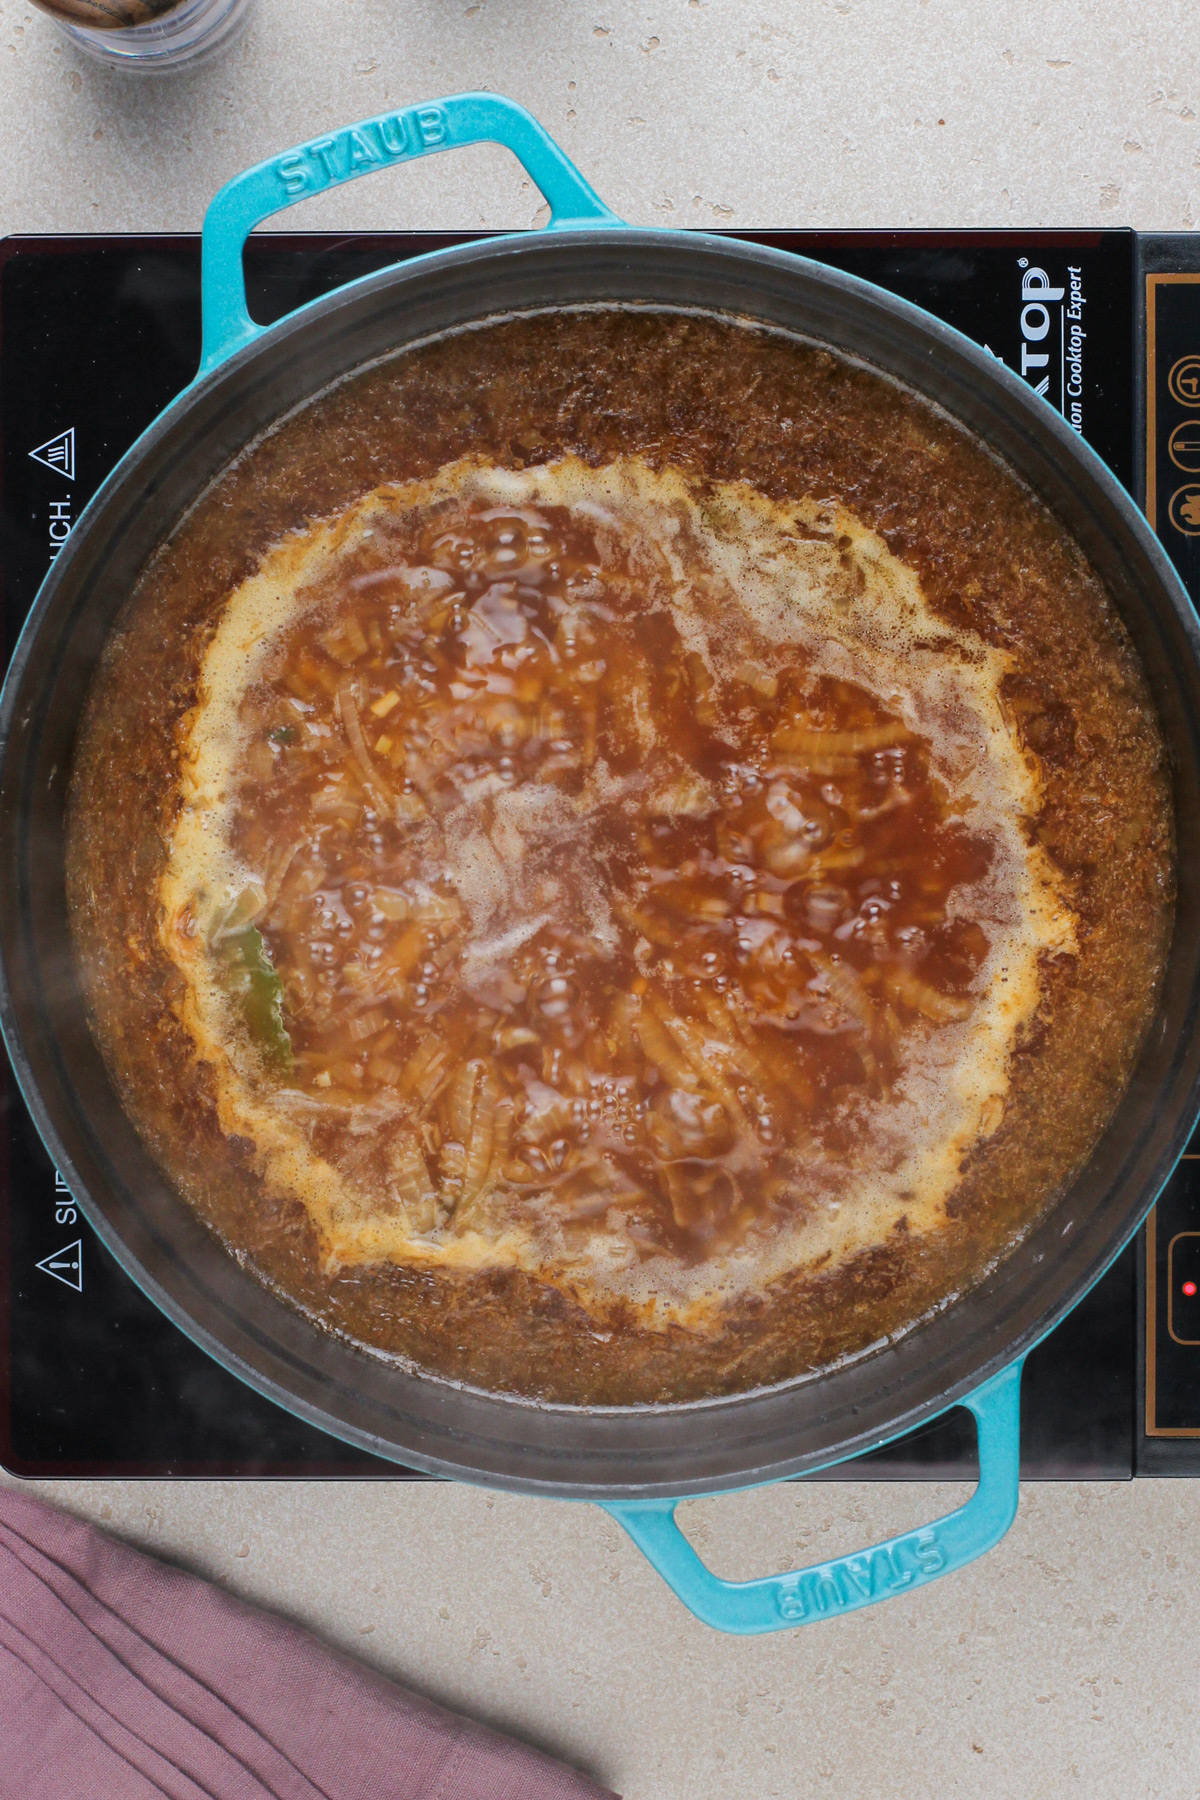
x: 637, y: 1462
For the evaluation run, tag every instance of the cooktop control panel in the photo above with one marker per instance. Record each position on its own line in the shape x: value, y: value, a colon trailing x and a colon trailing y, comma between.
x: 1168, y: 472
x: 1170, y: 1328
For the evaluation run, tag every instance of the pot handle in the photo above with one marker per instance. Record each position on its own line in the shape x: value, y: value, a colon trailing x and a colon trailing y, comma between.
x: 826, y: 1590
x: 377, y: 143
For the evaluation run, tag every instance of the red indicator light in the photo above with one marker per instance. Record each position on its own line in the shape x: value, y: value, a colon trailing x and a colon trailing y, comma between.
x: 1189, y: 1288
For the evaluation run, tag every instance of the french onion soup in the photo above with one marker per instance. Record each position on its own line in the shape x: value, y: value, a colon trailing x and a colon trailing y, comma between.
x: 620, y: 857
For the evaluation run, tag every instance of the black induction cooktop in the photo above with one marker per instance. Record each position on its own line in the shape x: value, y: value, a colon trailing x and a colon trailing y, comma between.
x: 96, y: 336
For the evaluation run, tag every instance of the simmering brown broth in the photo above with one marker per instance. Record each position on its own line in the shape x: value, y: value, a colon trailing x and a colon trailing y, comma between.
x: 676, y: 994
x: 751, y: 969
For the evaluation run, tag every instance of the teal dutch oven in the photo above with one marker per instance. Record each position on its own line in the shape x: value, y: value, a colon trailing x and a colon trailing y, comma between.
x: 637, y: 1462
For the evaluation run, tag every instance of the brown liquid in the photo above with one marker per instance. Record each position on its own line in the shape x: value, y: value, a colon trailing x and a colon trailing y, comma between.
x: 727, y: 404
x: 771, y: 854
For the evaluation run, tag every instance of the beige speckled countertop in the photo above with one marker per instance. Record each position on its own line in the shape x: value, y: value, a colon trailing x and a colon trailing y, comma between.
x: 1064, y: 1663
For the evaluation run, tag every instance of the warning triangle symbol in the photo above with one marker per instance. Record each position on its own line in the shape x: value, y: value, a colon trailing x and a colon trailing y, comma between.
x: 58, y: 453
x: 66, y: 1265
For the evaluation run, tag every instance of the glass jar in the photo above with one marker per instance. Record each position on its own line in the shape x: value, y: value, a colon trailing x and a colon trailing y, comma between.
x: 154, y: 35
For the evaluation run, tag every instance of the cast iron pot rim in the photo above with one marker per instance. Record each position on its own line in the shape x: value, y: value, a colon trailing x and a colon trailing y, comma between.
x: 416, y: 270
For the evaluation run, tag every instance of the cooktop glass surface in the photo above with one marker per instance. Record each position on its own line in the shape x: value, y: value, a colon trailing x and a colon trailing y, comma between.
x: 96, y: 336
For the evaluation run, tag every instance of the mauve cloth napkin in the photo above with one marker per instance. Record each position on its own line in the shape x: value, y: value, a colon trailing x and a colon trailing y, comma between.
x: 124, y: 1679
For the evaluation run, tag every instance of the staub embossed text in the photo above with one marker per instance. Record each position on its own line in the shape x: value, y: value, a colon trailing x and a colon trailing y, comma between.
x: 854, y: 1580
x: 368, y: 146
